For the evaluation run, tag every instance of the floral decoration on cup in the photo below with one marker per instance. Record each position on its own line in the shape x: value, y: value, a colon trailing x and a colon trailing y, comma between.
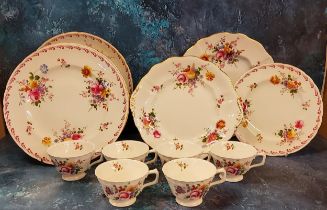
x: 125, y: 192
x: 192, y: 192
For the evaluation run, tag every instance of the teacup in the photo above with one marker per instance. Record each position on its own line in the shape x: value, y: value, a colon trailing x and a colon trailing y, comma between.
x: 175, y: 149
x: 190, y: 179
x: 236, y: 157
x: 72, y: 158
x: 128, y: 149
x: 122, y: 180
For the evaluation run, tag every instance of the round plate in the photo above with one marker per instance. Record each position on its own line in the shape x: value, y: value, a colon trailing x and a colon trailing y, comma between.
x: 234, y: 54
x: 282, y: 109
x: 185, y: 98
x: 64, y: 92
x: 98, y: 44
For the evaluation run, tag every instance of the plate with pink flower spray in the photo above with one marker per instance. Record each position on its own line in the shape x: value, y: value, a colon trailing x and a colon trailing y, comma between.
x: 232, y: 53
x: 185, y: 98
x: 282, y: 109
x: 64, y: 92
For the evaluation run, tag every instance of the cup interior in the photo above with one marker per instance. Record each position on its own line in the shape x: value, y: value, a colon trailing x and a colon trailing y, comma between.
x: 70, y: 149
x: 122, y: 170
x: 179, y: 149
x: 125, y: 149
x: 189, y: 169
x: 233, y: 150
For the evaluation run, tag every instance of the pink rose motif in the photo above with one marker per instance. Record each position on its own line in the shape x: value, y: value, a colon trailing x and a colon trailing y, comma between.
x: 299, y: 124
x: 97, y: 89
x: 195, y: 194
x: 232, y: 170
x: 212, y: 137
x: 124, y: 195
x: 181, y: 78
x: 66, y: 169
x: 76, y: 136
x: 156, y: 134
x: 220, y: 54
x: 34, y: 95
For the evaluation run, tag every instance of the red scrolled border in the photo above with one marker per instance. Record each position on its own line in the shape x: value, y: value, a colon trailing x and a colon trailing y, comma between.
x: 101, y: 41
x: 19, y: 68
x: 318, y: 102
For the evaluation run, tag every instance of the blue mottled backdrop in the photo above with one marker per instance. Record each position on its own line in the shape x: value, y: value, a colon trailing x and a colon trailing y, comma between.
x: 147, y: 32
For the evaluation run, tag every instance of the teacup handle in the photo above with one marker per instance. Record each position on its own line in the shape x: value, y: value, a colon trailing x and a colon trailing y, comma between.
x: 222, y: 179
x: 155, y: 181
x: 155, y: 156
x: 96, y: 161
x: 263, y: 155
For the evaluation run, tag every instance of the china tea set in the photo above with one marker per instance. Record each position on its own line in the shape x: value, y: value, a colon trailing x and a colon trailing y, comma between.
x: 67, y: 103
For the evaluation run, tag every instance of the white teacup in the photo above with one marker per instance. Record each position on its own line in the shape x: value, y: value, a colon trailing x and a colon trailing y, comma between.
x: 72, y: 158
x: 128, y: 149
x: 236, y: 157
x: 175, y: 149
x: 122, y: 180
x: 190, y: 179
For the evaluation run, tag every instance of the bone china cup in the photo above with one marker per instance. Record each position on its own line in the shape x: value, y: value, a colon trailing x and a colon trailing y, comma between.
x: 190, y: 179
x: 235, y: 157
x: 128, y: 149
x: 123, y: 179
x: 72, y: 158
x: 170, y: 150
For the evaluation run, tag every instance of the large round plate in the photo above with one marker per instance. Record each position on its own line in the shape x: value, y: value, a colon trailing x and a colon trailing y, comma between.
x: 234, y: 54
x: 282, y: 109
x: 185, y: 98
x: 64, y: 92
x: 98, y: 44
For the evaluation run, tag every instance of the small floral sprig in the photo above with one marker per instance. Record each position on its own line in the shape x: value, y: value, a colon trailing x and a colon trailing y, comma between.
x: 306, y: 105
x: 246, y: 105
x: 156, y: 88
x: 150, y: 123
x: 117, y: 166
x: 63, y: 63
x: 253, y: 86
x: 290, y: 133
x: 289, y: 83
x: 46, y: 141
x: 104, y: 126
x: 29, y: 128
x: 216, y: 134
x: 68, y: 133
x: 222, y: 53
x: 98, y: 90
x: 34, y: 90
x: 125, y: 146
x: 182, y: 165
x: 220, y: 101
x: 190, y: 76
x: 259, y: 137
x: 78, y: 146
x: 229, y: 146
x: 178, y: 146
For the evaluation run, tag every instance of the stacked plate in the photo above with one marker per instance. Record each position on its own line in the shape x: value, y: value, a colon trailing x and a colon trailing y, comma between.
x: 223, y: 80
x: 75, y: 86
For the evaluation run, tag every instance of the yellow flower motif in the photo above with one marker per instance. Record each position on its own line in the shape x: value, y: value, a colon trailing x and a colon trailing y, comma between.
x: 291, y: 134
x: 32, y: 84
x: 86, y: 71
x: 210, y: 76
x: 46, y: 141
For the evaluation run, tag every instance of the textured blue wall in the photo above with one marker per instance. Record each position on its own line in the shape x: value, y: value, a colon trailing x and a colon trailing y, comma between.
x: 146, y: 32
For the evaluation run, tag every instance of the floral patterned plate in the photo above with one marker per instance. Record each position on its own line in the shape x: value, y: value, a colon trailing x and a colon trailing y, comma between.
x: 64, y: 92
x: 185, y: 98
x: 232, y: 53
x: 98, y: 44
x: 282, y: 109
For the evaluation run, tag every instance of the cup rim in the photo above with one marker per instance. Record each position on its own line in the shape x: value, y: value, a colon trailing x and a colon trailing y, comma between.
x: 52, y: 147
x: 159, y: 149
x: 218, y: 144
x: 106, y: 153
x: 164, y: 170
x: 125, y: 159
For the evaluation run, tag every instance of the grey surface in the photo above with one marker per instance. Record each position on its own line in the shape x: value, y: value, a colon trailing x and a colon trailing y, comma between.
x: 295, y: 182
